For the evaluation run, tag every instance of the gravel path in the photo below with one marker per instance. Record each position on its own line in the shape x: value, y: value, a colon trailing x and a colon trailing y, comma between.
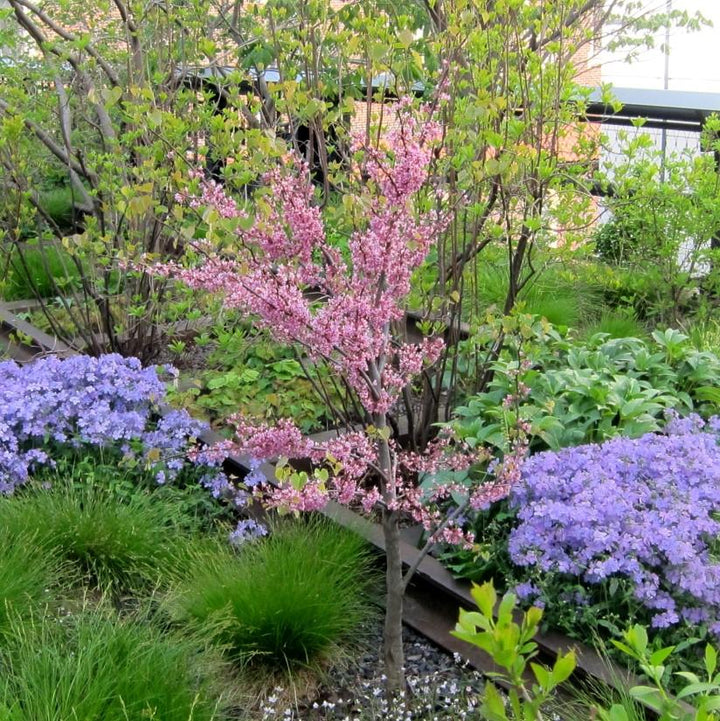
x: 440, y: 688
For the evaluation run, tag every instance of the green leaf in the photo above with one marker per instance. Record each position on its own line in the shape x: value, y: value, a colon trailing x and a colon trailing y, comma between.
x: 543, y: 676
x: 506, y: 607
x: 485, y: 598
x: 708, y: 393
x: 617, y: 713
x: 660, y: 655
x: 695, y: 688
x: 710, y: 660
x: 493, y: 706
x: 564, y: 666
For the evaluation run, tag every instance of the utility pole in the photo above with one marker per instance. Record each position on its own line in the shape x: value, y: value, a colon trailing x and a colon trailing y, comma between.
x: 666, y: 85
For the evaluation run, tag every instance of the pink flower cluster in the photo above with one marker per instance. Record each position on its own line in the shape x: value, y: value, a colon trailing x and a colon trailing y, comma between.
x: 351, y: 459
x: 282, y: 270
x: 282, y: 263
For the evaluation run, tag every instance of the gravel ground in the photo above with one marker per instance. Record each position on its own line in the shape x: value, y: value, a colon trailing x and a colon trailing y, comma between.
x: 440, y: 687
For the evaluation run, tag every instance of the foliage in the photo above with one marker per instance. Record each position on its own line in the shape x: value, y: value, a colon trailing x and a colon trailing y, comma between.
x: 115, y: 544
x: 569, y: 392
x: 286, y: 602
x: 618, y: 323
x: 664, y: 215
x: 247, y: 374
x: 616, y: 240
x: 35, y: 271
x: 97, y: 667
x: 697, y: 699
x: 194, y: 492
x: 97, y: 121
x: 511, y: 647
x: 108, y: 403
x: 563, y: 288
x: 510, y: 644
x: 705, y: 335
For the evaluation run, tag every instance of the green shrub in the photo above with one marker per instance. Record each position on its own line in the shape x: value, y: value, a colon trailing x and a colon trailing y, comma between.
x: 250, y: 374
x: 617, y: 241
x: 510, y: 644
x: 286, y: 602
x: 494, y: 629
x: 96, y: 667
x: 114, y: 542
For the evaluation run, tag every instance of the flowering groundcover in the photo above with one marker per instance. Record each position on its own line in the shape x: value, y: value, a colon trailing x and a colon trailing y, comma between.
x: 643, y: 509
x: 82, y: 403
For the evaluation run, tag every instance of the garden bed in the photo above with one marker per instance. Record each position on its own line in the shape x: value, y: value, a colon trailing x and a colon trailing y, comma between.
x: 434, y: 596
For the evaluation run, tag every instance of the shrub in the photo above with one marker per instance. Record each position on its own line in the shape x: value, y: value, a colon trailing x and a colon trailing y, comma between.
x: 569, y: 392
x: 511, y: 646
x: 247, y: 373
x: 95, y: 667
x: 285, y: 602
x: 113, y: 542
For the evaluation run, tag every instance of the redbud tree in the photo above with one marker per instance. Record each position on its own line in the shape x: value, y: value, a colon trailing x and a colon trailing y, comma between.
x: 346, y: 309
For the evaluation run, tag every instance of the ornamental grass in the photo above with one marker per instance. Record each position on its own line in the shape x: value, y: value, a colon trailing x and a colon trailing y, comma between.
x: 114, y: 543
x: 95, y: 666
x: 285, y: 603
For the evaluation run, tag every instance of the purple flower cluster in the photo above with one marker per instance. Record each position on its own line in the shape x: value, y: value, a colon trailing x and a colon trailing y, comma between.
x: 645, y: 509
x: 247, y: 530
x: 83, y: 401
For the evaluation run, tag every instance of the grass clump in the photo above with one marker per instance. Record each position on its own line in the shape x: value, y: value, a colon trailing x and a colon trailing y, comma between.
x: 115, y: 543
x: 618, y: 324
x: 97, y: 667
x: 26, y: 576
x: 288, y: 602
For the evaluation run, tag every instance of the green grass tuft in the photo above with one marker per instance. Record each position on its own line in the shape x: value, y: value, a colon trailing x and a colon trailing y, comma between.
x: 118, y: 544
x: 618, y: 324
x: 27, y: 574
x: 39, y: 271
x: 96, y: 667
x: 285, y: 603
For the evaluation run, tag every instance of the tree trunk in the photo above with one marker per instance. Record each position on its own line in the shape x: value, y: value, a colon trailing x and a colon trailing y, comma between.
x: 392, y: 635
x: 393, y: 656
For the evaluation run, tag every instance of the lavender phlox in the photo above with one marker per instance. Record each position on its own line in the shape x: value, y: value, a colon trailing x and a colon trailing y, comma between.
x: 105, y: 402
x: 247, y: 530
x: 644, y: 509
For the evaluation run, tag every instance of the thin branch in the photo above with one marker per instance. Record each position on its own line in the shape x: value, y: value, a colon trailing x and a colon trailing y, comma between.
x: 66, y: 35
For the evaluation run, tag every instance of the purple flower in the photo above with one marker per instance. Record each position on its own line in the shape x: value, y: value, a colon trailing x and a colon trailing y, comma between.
x: 644, y: 509
x: 247, y: 530
x: 526, y: 591
x: 82, y: 401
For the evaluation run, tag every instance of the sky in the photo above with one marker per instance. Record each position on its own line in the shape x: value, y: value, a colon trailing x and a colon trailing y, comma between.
x: 694, y: 56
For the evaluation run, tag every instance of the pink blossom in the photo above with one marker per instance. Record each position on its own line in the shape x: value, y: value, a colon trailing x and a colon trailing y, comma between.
x: 266, y: 442
x: 280, y: 269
